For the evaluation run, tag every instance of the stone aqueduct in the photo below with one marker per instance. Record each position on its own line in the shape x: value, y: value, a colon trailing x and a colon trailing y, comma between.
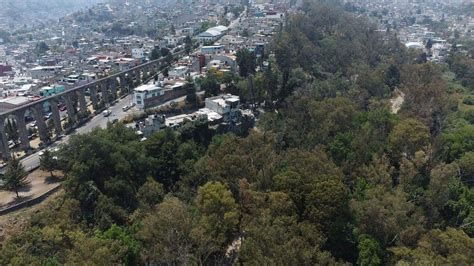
x: 109, y: 87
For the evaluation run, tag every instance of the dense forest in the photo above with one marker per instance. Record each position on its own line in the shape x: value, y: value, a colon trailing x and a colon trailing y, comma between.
x: 330, y: 175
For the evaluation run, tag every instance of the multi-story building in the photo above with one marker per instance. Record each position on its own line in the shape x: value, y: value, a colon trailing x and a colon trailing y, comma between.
x: 145, y: 94
x: 225, y: 105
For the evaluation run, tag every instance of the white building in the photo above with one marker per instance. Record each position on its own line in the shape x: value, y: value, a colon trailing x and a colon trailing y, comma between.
x: 125, y: 63
x: 225, y: 105
x: 146, y: 92
x: 178, y: 72
x: 212, y: 34
x: 138, y: 53
x: 44, y: 71
x: 212, y: 49
x: 174, y: 40
x: 209, y: 36
x: 152, y: 124
x: 414, y: 45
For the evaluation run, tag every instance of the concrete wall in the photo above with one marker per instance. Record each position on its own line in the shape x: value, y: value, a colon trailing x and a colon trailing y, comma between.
x: 168, y: 95
x: 29, y: 202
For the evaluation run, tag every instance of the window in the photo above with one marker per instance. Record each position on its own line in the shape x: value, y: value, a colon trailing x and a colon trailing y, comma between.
x: 139, y: 102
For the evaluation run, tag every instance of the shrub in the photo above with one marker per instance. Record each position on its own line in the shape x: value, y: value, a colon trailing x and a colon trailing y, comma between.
x: 469, y: 100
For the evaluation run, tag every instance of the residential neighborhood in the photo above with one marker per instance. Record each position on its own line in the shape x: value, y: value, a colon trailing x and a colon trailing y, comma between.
x: 48, y: 61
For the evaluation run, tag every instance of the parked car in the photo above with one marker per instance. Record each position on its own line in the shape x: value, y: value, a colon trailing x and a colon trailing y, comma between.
x: 47, y: 116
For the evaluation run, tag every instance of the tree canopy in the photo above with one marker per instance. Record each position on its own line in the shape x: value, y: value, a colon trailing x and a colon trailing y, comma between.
x: 332, y: 174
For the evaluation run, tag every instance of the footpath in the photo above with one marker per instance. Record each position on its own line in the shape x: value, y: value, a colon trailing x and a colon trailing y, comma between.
x: 40, y: 187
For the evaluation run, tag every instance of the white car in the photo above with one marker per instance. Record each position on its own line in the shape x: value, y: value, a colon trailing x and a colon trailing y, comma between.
x: 55, y: 149
x: 106, y: 113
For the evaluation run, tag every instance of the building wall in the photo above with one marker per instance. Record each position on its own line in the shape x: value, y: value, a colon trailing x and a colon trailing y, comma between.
x: 139, y: 99
x: 167, y: 96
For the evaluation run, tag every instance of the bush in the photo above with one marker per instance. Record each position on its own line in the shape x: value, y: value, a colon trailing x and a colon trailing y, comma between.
x: 469, y: 100
x: 135, y: 117
x: 469, y: 116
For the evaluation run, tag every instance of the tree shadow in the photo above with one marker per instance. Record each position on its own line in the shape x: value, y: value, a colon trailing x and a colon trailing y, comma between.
x: 16, y: 200
x: 52, y: 180
x: 25, y: 188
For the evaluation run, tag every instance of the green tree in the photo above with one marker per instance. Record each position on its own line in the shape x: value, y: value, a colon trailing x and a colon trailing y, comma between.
x: 96, y: 251
x: 162, y: 147
x: 370, y: 252
x: 388, y: 216
x: 274, y: 235
x: 443, y: 178
x: 458, y: 141
x: 128, y: 243
x: 393, y: 76
x: 210, y: 85
x: 164, y: 52
x: 155, y: 54
x: 188, y: 44
x: 150, y: 194
x: 466, y: 165
x: 246, y: 61
x: 166, y: 233
x: 191, y: 97
x: 105, y: 169
x: 450, y: 247
x: 15, y: 176
x: 407, y: 137
x: 219, y: 213
x: 48, y: 162
x: 425, y: 95
x: 41, y: 48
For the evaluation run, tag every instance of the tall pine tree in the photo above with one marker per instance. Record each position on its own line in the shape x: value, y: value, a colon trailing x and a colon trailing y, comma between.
x: 15, y: 176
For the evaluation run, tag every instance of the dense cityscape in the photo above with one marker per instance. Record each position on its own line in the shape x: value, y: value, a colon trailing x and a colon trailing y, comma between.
x: 268, y: 132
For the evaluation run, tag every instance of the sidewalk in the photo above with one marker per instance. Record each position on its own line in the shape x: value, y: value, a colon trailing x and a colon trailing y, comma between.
x: 40, y: 183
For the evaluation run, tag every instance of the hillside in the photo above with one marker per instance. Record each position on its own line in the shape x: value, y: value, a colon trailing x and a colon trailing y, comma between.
x: 330, y: 176
x: 31, y: 11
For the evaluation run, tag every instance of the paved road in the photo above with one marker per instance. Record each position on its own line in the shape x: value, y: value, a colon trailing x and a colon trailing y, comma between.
x: 236, y: 21
x: 99, y: 120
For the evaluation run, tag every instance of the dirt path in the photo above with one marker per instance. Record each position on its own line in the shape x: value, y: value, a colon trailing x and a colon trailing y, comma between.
x: 397, y: 101
x: 40, y: 183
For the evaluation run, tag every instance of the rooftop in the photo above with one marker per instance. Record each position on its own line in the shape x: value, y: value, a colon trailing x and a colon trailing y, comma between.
x: 147, y: 87
x: 17, y: 100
